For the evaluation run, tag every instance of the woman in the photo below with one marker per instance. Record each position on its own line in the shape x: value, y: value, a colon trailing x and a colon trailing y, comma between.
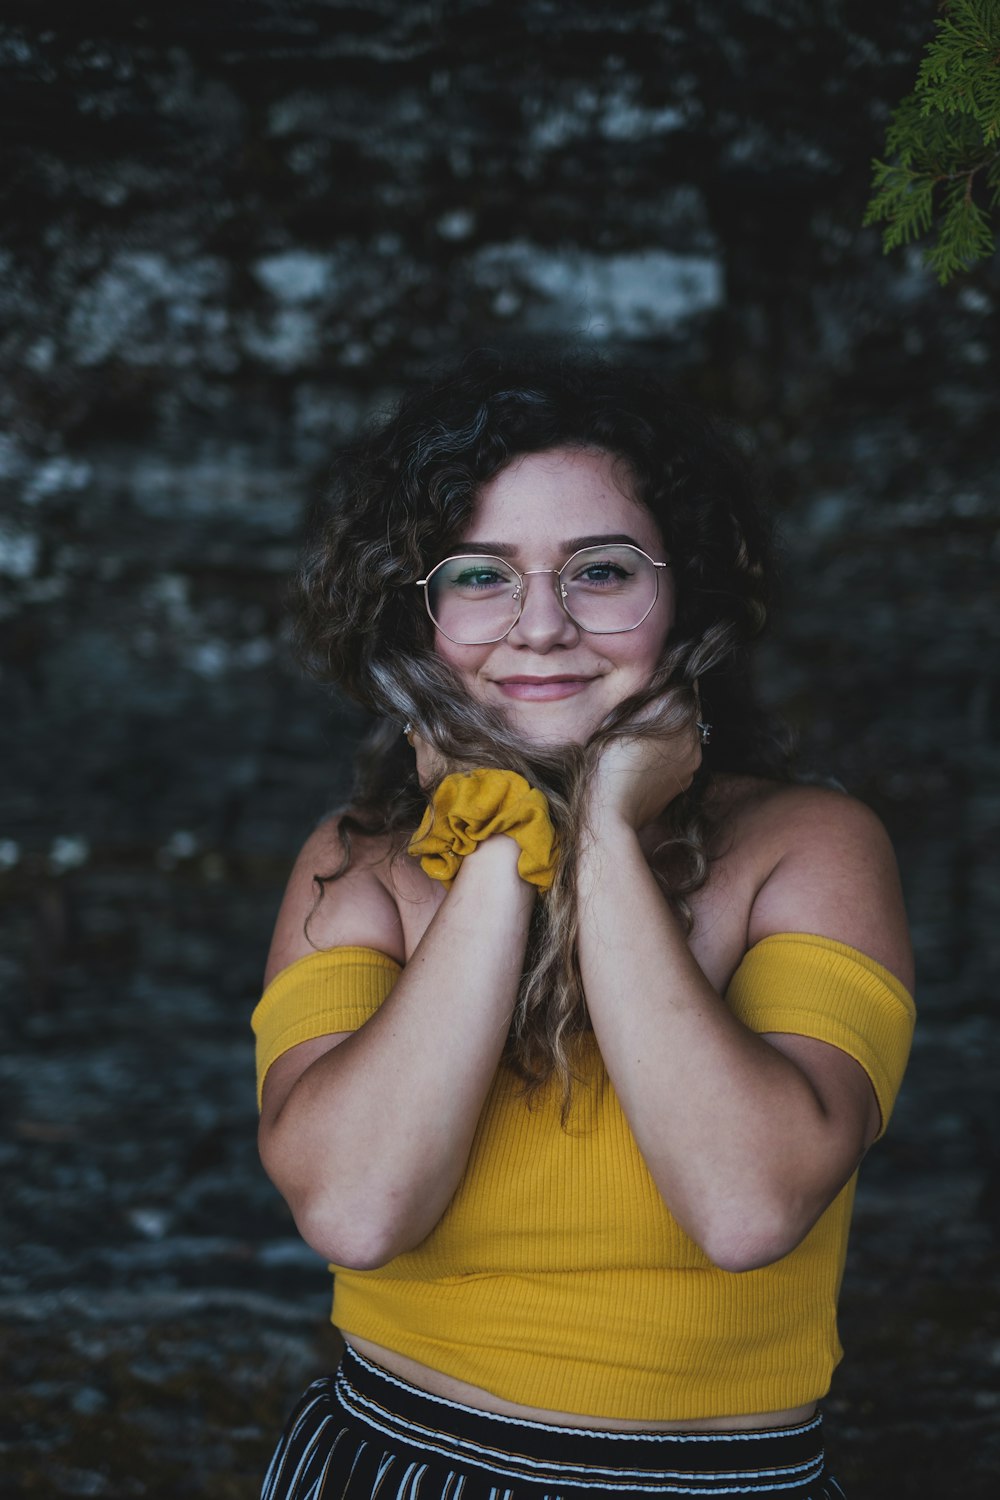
x: 571, y: 1082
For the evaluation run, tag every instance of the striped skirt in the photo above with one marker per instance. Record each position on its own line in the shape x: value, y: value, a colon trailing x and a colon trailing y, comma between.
x: 363, y: 1433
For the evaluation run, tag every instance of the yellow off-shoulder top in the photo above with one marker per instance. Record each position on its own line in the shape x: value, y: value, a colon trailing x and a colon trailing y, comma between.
x: 557, y: 1277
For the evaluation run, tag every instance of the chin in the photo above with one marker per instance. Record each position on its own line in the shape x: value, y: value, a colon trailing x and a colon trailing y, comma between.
x: 553, y: 730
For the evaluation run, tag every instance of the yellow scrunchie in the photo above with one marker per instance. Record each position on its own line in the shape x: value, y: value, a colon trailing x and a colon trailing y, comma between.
x: 468, y: 807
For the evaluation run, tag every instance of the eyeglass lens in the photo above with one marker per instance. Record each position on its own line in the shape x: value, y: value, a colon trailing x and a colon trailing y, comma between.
x: 473, y: 600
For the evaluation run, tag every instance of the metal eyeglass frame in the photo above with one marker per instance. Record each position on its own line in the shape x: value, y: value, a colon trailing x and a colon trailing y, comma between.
x: 519, y: 592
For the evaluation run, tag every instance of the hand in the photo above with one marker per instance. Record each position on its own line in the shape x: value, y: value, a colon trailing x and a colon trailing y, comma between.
x: 636, y: 776
x: 431, y: 764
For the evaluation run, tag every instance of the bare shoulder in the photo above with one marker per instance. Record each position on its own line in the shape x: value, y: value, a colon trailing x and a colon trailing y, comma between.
x: 823, y: 863
x: 356, y: 909
x: 772, y: 814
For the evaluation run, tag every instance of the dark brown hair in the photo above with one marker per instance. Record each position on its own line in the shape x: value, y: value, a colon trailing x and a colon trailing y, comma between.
x: 400, y: 496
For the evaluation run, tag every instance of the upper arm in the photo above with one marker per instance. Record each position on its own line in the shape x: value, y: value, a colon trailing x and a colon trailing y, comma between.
x: 834, y: 875
x: 832, y: 872
x: 356, y: 910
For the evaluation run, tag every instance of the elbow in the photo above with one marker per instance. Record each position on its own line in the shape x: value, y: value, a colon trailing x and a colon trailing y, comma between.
x: 751, y: 1240
x: 738, y: 1256
x: 327, y: 1215
x: 344, y: 1217
x: 354, y: 1247
x: 356, y: 1241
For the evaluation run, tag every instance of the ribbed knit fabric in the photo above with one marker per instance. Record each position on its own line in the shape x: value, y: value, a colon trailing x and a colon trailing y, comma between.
x: 334, y: 989
x: 843, y: 997
x: 558, y: 1278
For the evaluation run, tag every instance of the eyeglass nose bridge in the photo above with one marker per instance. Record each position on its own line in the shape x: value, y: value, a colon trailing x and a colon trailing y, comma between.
x: 518, y: 594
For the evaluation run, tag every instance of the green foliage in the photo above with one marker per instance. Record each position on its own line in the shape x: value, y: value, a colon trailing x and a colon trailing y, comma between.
x: 942, y: 146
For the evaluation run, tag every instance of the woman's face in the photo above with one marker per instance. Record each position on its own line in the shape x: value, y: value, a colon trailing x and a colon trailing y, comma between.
x: 554, y: 681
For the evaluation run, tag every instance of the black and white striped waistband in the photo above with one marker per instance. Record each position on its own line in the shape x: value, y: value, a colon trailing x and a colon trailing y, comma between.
x: 364, y: 1432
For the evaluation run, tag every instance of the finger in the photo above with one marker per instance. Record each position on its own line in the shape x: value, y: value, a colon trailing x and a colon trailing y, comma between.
x: 431, y: 765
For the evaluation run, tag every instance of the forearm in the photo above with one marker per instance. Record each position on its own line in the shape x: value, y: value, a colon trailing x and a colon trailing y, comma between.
x: 734, y: 1134
x: 373, y: 1138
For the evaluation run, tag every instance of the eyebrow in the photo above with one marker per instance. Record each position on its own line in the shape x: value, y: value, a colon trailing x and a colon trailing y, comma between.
x: 571, y: 545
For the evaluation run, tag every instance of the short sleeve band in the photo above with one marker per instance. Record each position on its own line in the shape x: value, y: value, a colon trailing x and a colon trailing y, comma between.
x: 812, y: 986
x: 335, y: 989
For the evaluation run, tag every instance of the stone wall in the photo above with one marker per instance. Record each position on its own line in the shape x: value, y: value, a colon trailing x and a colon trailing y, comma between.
x: 230, y: 231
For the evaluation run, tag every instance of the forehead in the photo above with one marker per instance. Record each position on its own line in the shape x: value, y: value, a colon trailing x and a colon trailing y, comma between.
x: 553, y: 500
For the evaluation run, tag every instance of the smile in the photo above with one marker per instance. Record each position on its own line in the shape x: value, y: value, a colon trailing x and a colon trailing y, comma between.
x: 541, y: 689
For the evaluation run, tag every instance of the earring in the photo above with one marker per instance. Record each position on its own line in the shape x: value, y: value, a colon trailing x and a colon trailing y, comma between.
x: 408, y: 732
x: 703, y: 727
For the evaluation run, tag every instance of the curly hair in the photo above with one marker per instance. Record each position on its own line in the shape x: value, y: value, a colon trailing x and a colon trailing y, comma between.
x: 400, y: 497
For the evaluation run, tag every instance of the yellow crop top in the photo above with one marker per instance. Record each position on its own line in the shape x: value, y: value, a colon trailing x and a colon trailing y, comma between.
x: 557, y: 1277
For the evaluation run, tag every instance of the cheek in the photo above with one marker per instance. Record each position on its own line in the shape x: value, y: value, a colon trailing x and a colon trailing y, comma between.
x: 662, y: 620
x: 648, y: 643
x: 639, y: 668
x: 465, y: 660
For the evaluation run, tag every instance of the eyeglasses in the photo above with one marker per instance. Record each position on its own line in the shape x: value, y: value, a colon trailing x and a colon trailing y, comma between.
x: 474, y: 599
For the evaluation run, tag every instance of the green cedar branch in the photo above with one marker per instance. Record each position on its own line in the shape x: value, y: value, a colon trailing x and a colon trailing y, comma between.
x: 942, y: 147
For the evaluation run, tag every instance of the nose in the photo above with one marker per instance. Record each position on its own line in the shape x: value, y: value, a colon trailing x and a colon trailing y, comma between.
x: 543, y: 623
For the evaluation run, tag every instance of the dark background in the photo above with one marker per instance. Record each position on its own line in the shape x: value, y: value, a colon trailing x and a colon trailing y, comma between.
x: 230, y: 230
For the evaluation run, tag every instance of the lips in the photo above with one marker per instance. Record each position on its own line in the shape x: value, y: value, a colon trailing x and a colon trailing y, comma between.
x: 541, y: 689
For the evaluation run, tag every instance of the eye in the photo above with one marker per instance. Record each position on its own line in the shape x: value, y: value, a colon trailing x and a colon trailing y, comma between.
x: 601, y: 573
x: 480, y: 578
